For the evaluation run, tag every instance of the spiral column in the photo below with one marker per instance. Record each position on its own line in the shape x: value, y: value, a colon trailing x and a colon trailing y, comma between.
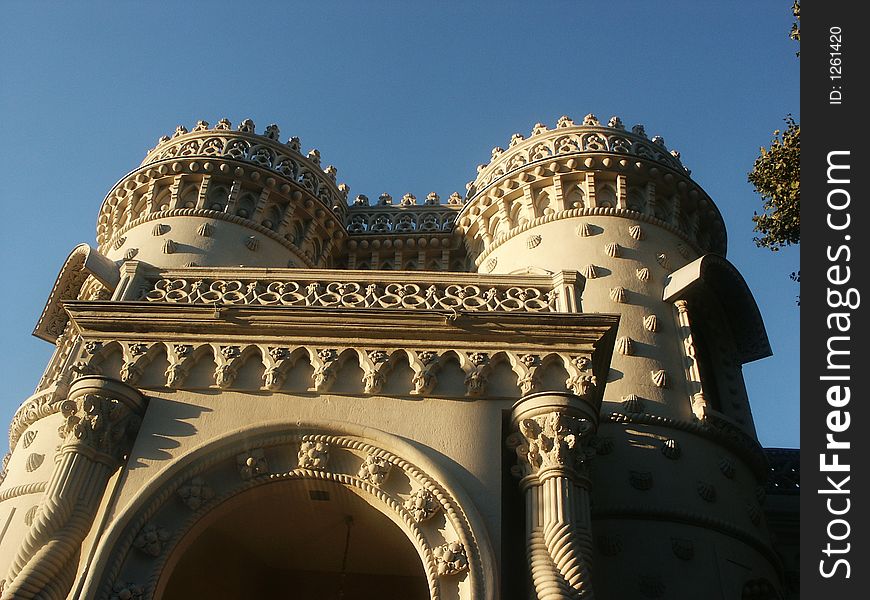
x: 102, y: 417
x: 551, y: 435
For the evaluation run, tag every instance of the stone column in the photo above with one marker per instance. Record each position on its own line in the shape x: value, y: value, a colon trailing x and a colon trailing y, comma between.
x: 102, y: 417
x: 551, y: 435
x: 693, y: 373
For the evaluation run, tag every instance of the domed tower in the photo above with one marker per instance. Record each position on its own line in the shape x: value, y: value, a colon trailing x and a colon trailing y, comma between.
x: 680, y: 472
x: 219, y: 197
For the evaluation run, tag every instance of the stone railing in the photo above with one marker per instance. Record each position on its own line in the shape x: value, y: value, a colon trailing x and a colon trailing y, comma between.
x: 406, y: 217
x: 401, y: 219
x: 358, y: 289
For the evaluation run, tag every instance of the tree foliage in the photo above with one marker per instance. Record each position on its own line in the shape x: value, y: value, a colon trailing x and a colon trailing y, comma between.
x: 776, y: 178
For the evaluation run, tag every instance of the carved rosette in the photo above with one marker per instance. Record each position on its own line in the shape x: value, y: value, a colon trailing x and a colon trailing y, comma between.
x: 313, y: 454
x: 450, y: 558
x: 195, y: 493
x: 151, y: 539
x: 374, y: 469
x: 422, y: 505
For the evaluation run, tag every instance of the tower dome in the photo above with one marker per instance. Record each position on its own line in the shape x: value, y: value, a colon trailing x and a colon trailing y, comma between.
x: 213, y: 196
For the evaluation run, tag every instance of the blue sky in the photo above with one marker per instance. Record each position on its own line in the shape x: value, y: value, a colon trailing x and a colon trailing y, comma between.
x: 401, y: 97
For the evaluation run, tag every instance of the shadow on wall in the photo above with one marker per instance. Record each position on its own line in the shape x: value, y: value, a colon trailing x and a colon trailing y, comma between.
x: 165, y: 420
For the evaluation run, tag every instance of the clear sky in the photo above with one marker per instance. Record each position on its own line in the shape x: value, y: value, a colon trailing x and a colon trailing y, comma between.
x: 401, y: 97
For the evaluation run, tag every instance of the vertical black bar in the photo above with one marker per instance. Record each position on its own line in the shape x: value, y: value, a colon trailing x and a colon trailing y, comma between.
x: 835, y: 548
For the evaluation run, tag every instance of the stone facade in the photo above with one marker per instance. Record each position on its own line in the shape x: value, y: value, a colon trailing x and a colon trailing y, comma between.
x: 531, y: 391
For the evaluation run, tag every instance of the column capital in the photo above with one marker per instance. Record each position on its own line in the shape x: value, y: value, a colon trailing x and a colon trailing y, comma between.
x: 552, y: 432
x: 102, y: 416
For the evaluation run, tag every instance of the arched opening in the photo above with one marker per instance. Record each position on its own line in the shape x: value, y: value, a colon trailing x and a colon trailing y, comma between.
x: 302, y: 538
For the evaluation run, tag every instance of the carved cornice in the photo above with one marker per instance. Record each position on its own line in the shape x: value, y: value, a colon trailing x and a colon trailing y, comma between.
x: 153, y: 321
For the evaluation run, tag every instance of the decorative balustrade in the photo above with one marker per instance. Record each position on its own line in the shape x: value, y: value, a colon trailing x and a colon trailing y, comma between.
x: 401, y: 219
x: 349, y: 289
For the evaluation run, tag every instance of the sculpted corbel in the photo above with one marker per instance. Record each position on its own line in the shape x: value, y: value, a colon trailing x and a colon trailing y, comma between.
x: 425, y: 366
x: 325, y: 363
x: 476, y: 368
x: 526, y: 367
x: 135, y: 359
x: 580, y: 380
x: 375, y: 365
x: 228, y: 360
x: 276, y: 360
x: 180, y: 361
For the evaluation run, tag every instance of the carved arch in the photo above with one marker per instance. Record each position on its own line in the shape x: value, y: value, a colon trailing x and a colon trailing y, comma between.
x: 450, y: 517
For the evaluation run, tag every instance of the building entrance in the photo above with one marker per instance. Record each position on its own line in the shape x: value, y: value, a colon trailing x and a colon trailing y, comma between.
x: 295, y: 539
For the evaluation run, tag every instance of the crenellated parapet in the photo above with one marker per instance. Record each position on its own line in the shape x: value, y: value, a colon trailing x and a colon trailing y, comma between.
x: 215, y: 196
x: 586, y: 169
x: 264, y: 150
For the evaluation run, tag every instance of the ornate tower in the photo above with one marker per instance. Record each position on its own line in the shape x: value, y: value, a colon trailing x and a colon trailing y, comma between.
x: 679, y: 478
x: 534, y: 391
x: 219, y: 197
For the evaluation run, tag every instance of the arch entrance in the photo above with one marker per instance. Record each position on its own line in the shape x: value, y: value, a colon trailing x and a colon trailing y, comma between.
x: 305, y: 538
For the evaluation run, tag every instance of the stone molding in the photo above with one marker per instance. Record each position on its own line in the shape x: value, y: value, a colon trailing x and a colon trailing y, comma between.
x: 23, y: 490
